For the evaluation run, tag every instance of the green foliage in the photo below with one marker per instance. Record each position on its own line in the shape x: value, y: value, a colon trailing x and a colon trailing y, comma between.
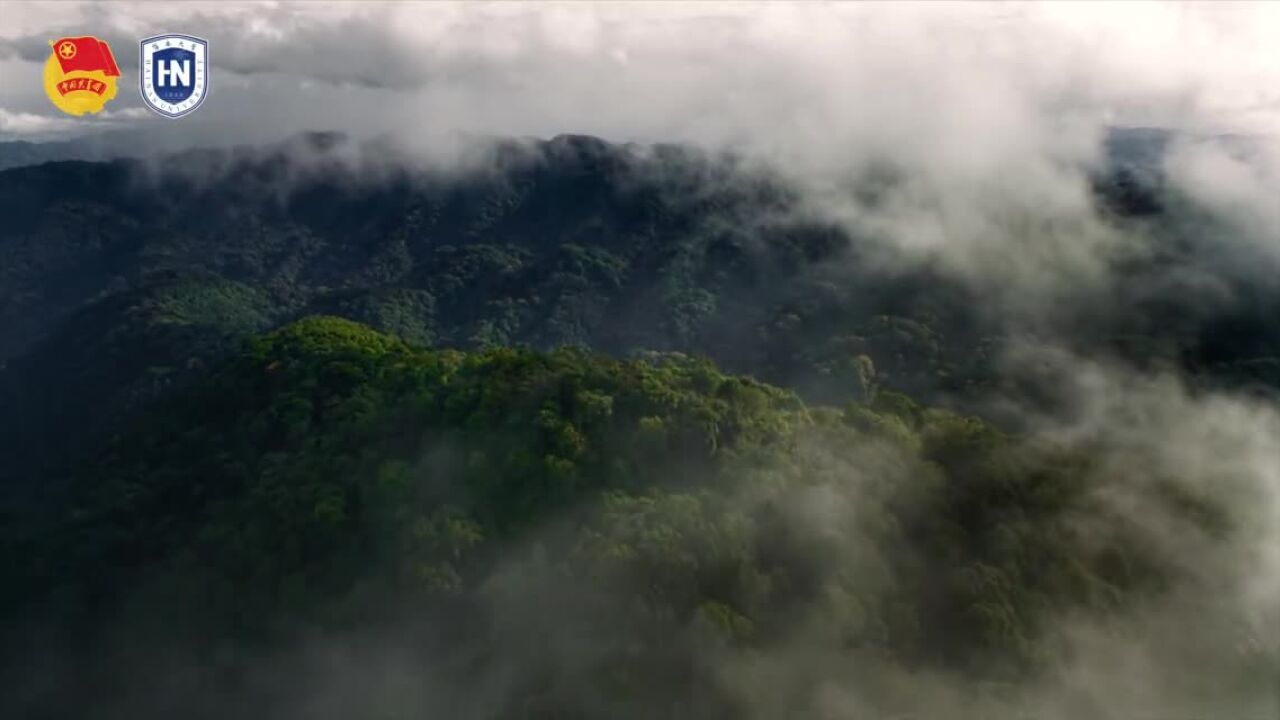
x: 112, y: 359
x: 580, y: 244
x: 331, y: 475
x: 110, y: 301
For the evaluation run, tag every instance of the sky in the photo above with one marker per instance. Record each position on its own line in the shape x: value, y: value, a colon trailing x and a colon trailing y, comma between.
x: 785, y: 79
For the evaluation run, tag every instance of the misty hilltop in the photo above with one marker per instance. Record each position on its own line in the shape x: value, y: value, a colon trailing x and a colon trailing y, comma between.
x: 329, y: 479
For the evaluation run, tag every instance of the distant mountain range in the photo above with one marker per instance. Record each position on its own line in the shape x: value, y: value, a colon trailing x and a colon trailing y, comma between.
x: 105, y: 146
x: 1139, y: 146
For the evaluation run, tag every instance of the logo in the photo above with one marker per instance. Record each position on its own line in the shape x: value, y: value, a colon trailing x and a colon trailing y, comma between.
x: 80, y: 75
x: 174, y: 74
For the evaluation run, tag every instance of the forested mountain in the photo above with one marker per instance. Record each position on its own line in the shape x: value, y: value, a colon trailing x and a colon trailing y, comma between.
x: 567, y: 429
x: 569, y: 242
x: 333, y: 480
x: 117, y: 279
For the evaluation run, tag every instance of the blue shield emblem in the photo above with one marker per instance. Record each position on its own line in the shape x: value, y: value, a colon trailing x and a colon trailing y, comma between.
x: 174, y: 74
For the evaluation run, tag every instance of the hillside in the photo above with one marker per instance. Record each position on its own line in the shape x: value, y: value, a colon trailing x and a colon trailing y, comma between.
x: 568, y: 242
x: 119, y: 279
x: 332, y: 484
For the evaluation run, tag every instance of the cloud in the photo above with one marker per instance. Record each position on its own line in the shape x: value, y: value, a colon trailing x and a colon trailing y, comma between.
x: 1238, y: 181
x: 720, y: 72
x: 30, y: 48
x: 33, y: 126
x: 20, y: 123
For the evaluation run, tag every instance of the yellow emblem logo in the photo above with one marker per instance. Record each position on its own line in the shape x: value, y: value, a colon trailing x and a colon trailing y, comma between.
x: 80, y: 75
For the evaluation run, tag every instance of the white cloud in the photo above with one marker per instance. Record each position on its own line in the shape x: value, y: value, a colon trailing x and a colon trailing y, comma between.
x: 730, y: 71
x: 31, y: 124
x: 1239, y: 182
x: 40, y: 127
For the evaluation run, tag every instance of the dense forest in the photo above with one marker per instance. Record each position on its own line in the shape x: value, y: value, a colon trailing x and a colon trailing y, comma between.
x: 121, y: 279
x: 575, y: 430
x: 330, y: 477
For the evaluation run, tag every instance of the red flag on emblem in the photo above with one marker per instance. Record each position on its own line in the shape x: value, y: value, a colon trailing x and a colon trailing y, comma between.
x: 86, y: 54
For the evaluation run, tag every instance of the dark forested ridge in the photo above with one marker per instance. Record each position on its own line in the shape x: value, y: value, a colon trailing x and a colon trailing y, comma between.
x: 572, y: 431
x: 569, y: 242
